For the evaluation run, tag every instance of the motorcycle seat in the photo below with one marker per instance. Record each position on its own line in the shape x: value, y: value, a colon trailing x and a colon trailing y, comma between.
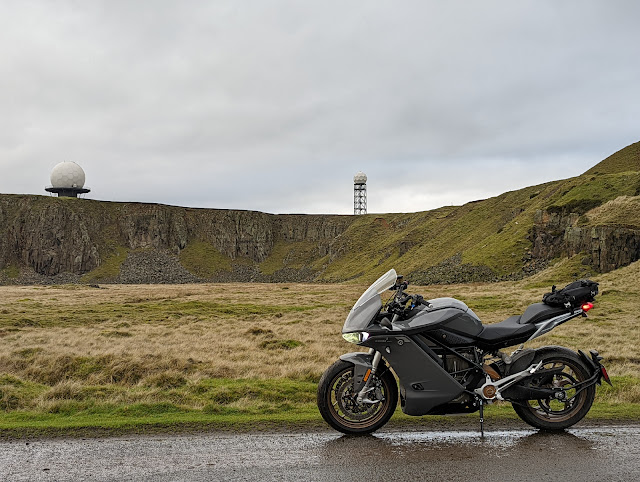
x: 505, y: 332
x: 539, y: 312
x: 517, y: 329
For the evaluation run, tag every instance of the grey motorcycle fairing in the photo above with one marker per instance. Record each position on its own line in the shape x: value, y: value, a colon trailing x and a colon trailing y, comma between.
x: 425, y: 384
x: 442, y: 311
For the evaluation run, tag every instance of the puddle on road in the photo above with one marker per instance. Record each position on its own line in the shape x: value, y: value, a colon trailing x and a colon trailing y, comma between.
x: 604, y: 450
x: 456, y: 445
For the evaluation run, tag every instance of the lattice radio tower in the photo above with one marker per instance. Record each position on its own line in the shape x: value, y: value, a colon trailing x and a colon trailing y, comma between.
x: 360, y: 193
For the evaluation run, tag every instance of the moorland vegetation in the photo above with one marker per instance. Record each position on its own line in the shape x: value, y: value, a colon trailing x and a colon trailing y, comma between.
x: 149, y: 355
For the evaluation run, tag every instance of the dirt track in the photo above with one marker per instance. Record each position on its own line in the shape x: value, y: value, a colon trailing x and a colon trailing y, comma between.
x: 581, y: 454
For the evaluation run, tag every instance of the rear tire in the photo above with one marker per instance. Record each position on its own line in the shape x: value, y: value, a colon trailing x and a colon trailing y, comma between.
x: 556, y: 414
x: 337, y: 404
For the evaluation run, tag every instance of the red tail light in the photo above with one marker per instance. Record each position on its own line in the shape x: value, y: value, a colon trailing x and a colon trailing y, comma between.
x: 587, y: 306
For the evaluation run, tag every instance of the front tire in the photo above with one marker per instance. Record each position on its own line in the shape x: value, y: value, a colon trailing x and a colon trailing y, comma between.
x: 556, y: 414
x: 337, y: 404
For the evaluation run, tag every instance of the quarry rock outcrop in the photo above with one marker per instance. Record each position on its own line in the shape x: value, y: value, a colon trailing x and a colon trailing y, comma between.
x: 453, y: 270
x: 61, y: 235
x: 53, y: 240
x: 607, y: 247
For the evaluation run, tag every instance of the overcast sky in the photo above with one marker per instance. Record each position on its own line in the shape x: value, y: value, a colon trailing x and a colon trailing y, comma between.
x: 275, y: 105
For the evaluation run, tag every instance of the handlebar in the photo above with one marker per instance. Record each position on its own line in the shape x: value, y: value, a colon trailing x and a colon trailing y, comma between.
x: 398, y: 304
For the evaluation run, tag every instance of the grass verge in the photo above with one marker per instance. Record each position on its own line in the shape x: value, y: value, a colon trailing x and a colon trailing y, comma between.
x: 251, y: 406
x: 20, y: 425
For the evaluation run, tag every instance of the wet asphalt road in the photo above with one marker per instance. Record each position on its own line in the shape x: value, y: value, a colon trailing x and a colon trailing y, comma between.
x: 612, y: 454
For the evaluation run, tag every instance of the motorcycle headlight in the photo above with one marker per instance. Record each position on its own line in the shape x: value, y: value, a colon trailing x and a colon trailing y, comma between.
x: 357, y: 337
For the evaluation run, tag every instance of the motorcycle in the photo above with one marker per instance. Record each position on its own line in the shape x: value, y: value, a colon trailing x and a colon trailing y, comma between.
x: 447, y: 362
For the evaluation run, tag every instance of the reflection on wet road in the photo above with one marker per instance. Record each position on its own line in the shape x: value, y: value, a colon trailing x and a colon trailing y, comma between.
x: 580, y: 454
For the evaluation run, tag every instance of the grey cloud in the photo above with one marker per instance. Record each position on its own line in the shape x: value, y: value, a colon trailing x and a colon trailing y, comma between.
x: 275, y: 105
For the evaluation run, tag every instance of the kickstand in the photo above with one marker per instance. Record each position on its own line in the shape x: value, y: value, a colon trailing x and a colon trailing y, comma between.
x: 481, y: 418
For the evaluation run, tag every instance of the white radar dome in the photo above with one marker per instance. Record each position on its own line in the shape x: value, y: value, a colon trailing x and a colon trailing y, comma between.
x: 67, y: 174
x: 360, y: 178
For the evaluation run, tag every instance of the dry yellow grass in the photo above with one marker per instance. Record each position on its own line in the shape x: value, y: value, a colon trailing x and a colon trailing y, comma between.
x: 199, y: 343
x: 623, y: 210
x: 130, y: 343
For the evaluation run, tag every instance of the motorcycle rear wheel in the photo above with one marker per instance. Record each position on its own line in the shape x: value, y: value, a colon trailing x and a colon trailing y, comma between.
x: 555, y: 414
x: 338, y: 406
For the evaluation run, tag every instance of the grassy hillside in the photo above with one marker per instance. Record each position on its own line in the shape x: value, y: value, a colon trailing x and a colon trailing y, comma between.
x: 492, y: 239
x: 625, y: 160
x: 492, y: 233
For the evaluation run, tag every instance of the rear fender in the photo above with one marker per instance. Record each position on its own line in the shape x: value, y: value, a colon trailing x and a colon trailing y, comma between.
x: 361, y: 363
x: 524, y: 359
x: 595, y: 366
x: 520, y: 361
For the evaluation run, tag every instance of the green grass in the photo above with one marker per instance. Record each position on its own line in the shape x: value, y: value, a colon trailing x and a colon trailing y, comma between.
x: 36, y: 314
x: 204, y: 260
x: 295, y: 255
x: 161, y: 394
x: 561, y: 272
x: 110, y: 267
x: 18, y: 424
x: 11, y: 271
x: 585, y: 193
x: 221, y: 402
x: 625, y: 160
x: 245, y: 404
x: 144, y: 419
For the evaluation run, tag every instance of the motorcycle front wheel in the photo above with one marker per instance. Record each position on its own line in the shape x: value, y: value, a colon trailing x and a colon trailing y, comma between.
x: 338, y: 405
x: 552, y: 414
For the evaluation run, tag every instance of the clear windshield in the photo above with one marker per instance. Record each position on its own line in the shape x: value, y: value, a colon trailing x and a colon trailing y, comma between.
x: 379, y: 286
x: 369, y: 304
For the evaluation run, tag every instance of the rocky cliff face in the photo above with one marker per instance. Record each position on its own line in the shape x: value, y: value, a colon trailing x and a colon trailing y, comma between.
x: 57, y: 235
x: 46, y: 239
x: 609, y: 247
x: 606, y: 247
x: 49, y: 237
x: 234, y: 233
